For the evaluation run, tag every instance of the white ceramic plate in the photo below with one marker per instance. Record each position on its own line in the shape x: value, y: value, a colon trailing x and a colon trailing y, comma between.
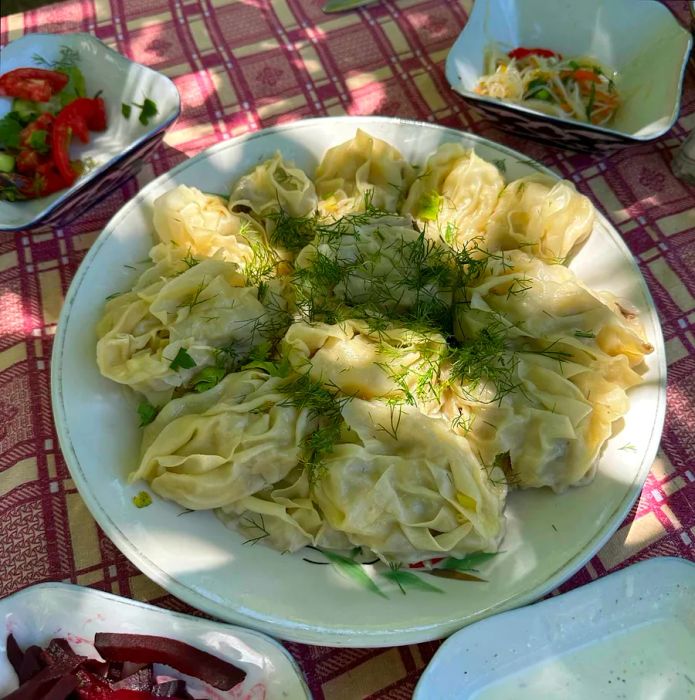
x: 39, y: 613
x: 195, y: 558
x: 628, y: 635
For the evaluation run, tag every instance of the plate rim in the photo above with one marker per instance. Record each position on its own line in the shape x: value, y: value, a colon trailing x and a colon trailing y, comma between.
x: 316, y: 634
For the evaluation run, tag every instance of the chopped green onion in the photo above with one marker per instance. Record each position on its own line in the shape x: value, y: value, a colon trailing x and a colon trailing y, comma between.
x: 6, y: 163
x: 37, y: 141
x: 142, y: 500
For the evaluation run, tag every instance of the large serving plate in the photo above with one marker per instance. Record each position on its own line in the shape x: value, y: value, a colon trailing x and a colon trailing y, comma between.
x: 197, y: 559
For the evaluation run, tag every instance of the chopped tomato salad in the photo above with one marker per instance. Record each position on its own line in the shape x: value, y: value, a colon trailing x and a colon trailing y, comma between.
x: 49, y: 109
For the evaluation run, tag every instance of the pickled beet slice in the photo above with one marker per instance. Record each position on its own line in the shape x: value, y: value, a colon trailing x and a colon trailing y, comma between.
x: 140, y: 680
x: 32, y: 662
x: 14, y: 654
x: 149, y: 649
x: 62, y: 689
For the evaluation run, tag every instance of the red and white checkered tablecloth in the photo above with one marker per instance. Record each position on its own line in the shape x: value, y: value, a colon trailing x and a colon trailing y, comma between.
x: 247, y: 64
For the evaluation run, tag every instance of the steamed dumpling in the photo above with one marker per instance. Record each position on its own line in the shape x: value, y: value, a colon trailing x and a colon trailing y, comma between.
x: 374, y: 263
x: 202, y: 225
x: 395, y: 363
x: 550, y: 304
x: 541, y: 216
x: 456, y: 192
x: 411, y: 488
x: 212, y: 449
x: 197, y: 311
x: 273, y: 185
x: 362, y: 169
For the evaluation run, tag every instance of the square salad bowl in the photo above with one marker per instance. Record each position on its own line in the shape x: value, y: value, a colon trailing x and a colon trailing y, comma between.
x: 641, y: 41
x: 111, y: 156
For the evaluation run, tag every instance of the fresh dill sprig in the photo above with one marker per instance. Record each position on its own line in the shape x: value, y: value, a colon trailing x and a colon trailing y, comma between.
x: 325, y: 407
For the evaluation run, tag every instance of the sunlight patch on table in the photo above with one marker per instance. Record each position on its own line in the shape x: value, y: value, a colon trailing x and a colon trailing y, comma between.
x: 359, y: 80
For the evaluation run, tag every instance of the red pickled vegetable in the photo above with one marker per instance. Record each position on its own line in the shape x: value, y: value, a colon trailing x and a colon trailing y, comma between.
x: 14, y: 654
x: 62, y: 689
x: 131, y: 695
x: 76, y: 118
x: 524, y: 53
x: 36, y: 84
x: 179, y: 655
x: 32, y: 663
x: 140, y: 680
x: 587, y: 75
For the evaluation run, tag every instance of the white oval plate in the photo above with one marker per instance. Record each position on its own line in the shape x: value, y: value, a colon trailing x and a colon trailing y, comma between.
x: 628, y: 635
x: 37, y: 614
x: 197, y: 559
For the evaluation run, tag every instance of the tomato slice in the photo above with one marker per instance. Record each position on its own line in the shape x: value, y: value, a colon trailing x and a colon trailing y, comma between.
x: 36, y: 84
x: 522, y: 52
x: 76, y: 118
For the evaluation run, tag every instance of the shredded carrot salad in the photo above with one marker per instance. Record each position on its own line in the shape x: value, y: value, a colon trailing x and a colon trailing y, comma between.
x: 541, y: 79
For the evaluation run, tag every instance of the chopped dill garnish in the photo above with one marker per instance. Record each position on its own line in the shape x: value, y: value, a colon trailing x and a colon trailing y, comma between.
x: 325, y: 408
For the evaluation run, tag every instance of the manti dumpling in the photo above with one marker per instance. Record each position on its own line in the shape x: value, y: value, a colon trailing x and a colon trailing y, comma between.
x: 395, y: 363
x: 411, y: 488
x: 550, y: 304
x: 406, y: 487
x: 363, y: 168
x: 273, y: 185
x: 373, y: 263
x: 541, y: 216
x: 198, y: 310
x: 211, y: 449
x: 552, y: 427
x: 456, y: 192
x: 202, y: 225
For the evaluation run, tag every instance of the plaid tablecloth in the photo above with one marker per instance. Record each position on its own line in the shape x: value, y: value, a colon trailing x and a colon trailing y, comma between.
x: 245, y: 65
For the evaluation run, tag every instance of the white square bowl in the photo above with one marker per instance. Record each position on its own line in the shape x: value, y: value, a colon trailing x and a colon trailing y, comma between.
x: 641, y: 40
x: 116, y: 153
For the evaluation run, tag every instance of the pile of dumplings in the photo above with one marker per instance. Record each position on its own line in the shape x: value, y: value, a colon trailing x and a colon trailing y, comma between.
x: 315, y: 375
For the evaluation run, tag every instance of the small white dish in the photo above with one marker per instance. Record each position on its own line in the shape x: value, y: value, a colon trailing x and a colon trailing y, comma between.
x: 37, y: 614
x: 196, y: 558
x: 117, y: 153
x: 628, y: 635
x: 642, y: 41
